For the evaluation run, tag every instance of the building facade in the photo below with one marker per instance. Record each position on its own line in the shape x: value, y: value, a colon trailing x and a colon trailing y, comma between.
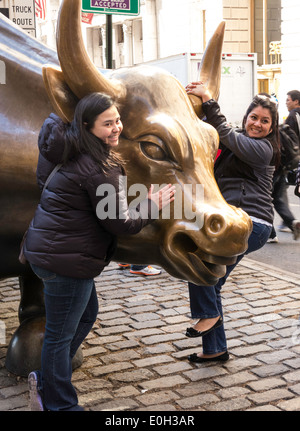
x: 163, y: 28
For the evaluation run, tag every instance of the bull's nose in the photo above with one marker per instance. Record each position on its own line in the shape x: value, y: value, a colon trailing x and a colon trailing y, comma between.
x: 214, y: 224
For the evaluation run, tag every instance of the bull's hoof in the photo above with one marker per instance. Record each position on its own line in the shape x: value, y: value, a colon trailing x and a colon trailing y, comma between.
x: 24, y: 350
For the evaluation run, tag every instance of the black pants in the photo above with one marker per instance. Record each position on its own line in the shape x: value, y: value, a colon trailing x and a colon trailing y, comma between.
x: 280, y: 201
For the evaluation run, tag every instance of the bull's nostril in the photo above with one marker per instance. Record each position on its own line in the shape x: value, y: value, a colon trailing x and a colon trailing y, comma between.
x: 215, y: 224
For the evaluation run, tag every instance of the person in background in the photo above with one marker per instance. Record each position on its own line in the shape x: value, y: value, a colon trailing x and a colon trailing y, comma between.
x: 293, y: 120
x: 280, y: 186
x: 244, y: 172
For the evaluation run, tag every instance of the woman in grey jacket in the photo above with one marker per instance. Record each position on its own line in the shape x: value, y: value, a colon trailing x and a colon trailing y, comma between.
x: 244, y: 172
x: 70, y: 239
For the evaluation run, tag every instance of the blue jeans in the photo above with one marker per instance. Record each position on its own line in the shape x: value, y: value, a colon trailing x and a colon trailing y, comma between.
x: 71, y: 310
x: 205, y: 301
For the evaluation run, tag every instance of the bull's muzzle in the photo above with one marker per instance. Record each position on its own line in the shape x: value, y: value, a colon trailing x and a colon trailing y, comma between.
x: 223, y: 235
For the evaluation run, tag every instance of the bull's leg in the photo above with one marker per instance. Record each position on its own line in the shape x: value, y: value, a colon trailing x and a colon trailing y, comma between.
x: 32, y: 295
x: 24, y: 350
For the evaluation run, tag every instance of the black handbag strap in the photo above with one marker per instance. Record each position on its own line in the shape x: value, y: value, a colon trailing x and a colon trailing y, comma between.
x: 57, y: 167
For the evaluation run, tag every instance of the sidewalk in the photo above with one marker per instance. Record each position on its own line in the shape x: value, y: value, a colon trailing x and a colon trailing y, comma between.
x: 135, y: 357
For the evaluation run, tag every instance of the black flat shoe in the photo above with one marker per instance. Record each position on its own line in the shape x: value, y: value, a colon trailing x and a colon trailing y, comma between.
x: 221, y: 358
x: 191, y: 332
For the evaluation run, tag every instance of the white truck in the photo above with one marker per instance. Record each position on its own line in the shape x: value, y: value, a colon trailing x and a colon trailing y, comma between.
x: 238, y: 79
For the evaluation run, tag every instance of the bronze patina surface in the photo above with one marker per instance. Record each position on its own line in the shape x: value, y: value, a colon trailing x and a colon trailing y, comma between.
x: 164, y: 141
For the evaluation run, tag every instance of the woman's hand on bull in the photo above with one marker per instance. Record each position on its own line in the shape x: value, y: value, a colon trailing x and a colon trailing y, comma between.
x: 162, y: 197
x: 199, y: 89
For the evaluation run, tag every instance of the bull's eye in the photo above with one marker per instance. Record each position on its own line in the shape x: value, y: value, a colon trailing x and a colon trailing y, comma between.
x: 154, y: 151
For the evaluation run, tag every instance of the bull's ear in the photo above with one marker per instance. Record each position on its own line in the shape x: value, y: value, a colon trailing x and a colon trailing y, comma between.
x: 61, y: 96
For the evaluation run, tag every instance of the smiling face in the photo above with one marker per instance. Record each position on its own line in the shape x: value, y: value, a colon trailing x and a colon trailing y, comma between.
x: 108, y: 126
x: 259, y: 123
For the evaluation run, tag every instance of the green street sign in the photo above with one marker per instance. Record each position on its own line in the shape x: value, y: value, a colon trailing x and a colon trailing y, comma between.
x: 130, y: 7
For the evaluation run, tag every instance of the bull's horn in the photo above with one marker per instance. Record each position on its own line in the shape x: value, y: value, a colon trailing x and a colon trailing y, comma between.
x: 210, y: 68
x: 79, y: 72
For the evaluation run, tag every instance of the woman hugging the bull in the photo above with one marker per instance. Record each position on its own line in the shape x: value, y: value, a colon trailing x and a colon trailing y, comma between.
x: 244, y: 172
x: 68, y: 243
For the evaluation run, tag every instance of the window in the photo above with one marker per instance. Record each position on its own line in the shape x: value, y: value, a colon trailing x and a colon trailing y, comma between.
x: 267, y: 31
x: 120, y: 33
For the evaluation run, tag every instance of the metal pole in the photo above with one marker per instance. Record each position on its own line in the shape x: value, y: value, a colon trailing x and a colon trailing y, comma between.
x: 108, y: 41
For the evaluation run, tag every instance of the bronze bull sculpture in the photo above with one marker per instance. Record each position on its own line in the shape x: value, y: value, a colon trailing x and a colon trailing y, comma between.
x: 163, y: 141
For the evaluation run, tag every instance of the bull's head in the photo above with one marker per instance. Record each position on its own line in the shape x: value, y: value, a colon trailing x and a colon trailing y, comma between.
x: 163, y: 141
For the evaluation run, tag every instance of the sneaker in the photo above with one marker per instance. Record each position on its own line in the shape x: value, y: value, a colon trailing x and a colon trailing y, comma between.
x: 124, y: 265
x: 273, y: 240
x: 35, y: 399
x: 148, y: 270
x: 284, y: 228
x: 296, y: 229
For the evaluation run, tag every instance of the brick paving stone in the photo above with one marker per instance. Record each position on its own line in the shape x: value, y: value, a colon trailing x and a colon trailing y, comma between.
x: 135, y: 357
x: 12, y: 391
x: 92, y: 385
x: 116, y: 405
x: 94, y: 397
x: 153, y: 360
x: 14, y: 403
x: 236, y: 365
x: 158, y: 408
x: 106, y: 369
x: 142, y: 333
x: 256, y: 329
x: 122, y: 345
x: 148, y: 324
x: 233, y: 392
x: 250, y: 350
x: 157, y: 348
x: 161, y: 338
x: 172, y: 368
x: 270, y: 395
x: 260, y: 338
x: 230, y: 405
x: 290, y: 405
x: 295, y: 388
x: 275, y: 357
x: 126, y: 391
x: 163, y: 382
x: 93, y: 351
x: 142, y: 317
x: 265, y: 384
x: 132, y: 376
x: 194, y: 389
x: 269, y: 370
x: 265, y: 408
x: 204, y: 373
x: 196, y: 401
x: 293, y: 376
x: 235, y: 379
x: 157, y: 397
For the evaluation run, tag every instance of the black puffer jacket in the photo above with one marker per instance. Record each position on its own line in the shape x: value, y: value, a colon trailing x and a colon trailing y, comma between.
x: 65, y: 235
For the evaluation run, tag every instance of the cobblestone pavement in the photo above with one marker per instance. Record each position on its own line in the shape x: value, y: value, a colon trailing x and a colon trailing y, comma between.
x: 135, y: 357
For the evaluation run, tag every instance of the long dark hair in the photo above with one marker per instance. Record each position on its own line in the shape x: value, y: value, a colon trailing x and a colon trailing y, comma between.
x: 79, y: 137
x: 273, y: 137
